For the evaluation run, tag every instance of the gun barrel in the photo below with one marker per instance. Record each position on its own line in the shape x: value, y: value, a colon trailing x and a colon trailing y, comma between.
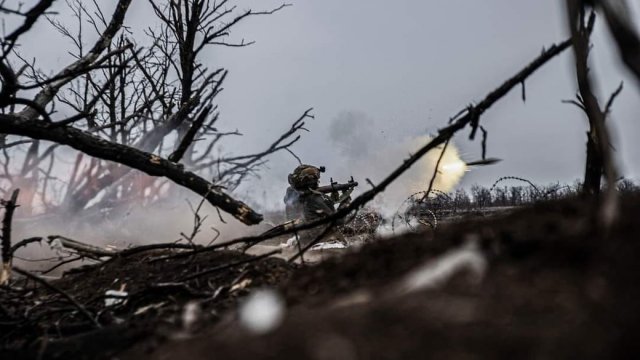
x: 337, y: 187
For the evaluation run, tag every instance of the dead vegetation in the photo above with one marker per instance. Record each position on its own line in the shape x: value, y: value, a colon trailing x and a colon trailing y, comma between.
x: 542, y: 262
x: 152, y: 109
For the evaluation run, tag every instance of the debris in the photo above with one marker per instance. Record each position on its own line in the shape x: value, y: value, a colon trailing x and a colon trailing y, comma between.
x: 116, y: 297
x: 291, y: 242
x: 240, y: 285
x: 63, y: 244
x: 144, y: 309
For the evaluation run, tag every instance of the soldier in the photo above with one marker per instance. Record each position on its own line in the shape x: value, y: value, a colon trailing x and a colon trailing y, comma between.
x: 302, y: 198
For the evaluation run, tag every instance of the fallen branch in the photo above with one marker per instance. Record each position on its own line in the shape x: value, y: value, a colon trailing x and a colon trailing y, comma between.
x: 150, y: 247
x: 148, y: 163
x: 81, y: 248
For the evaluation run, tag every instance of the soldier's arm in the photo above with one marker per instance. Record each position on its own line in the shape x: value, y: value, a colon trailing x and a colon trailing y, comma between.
x: 315, y: 207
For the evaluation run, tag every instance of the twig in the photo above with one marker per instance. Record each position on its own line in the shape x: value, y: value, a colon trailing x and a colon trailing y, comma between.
x: 229, y: 265
x: 612, y: 98
x: 294, y: 155
x: 484, y: 142
x: 73, y: 259
x: 24, y: 242
x: 66, y: 295
x: 435, y: 170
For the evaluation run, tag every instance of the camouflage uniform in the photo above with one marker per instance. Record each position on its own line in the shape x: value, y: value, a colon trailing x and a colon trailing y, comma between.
x: 314, y: 205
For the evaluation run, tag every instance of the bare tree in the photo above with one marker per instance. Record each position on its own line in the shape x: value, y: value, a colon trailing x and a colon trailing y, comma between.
x: 599, y: 155
x: 151, y: 109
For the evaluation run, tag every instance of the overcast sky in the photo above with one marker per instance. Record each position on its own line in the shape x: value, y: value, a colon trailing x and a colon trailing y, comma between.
x: 379, y: 73
x: 407, y: 66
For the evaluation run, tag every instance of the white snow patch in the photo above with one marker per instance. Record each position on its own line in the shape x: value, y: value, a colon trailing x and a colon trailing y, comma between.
x: 328, y: 245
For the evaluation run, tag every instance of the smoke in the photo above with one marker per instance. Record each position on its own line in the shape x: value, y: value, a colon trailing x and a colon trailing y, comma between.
x: 124, y: 226
x: 353, y: 144
x: 368, y: 153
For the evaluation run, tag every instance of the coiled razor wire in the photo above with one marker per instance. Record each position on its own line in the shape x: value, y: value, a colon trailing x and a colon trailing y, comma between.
x: 504, y: 178
x: 433, y: 222
x: 539, y: 193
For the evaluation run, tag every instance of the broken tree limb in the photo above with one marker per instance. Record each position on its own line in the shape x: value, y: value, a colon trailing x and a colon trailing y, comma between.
x: 81, y: 248
x: 9, y: 207
x: 148, y: 163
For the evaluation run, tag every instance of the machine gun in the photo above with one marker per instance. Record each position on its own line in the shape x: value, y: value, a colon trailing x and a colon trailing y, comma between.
x: 335, y: 186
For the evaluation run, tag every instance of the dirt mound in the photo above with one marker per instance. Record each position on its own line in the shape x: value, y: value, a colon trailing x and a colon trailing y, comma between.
x: 537, y: 283
x: 158, y: 285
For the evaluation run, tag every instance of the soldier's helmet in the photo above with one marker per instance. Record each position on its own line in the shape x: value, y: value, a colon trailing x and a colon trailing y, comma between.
x: 305, y: 177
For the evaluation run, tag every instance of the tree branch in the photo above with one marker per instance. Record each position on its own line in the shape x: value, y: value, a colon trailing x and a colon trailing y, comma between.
x: 131, y: 157
x: 616, y: 13
x: 49, y: 92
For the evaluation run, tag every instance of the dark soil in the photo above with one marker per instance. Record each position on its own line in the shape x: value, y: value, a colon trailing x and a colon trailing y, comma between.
x: 555, y: 287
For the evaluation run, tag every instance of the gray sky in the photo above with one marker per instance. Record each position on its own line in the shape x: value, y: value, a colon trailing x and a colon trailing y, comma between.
x: 399, y: 70
x: 407, y: 67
